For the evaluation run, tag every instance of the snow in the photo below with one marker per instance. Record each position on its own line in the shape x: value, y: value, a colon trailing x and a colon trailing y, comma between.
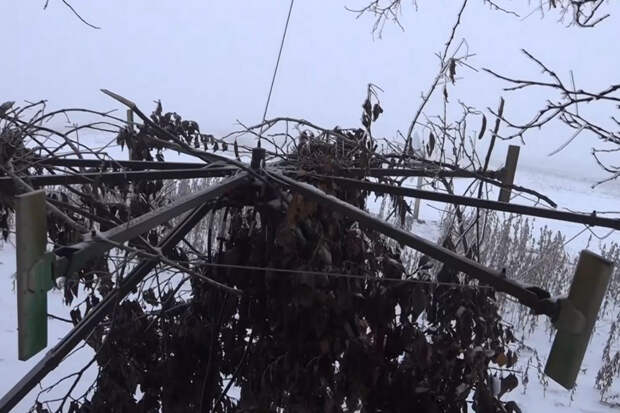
x: 532, y: 398
x: 13, y: 369
x: 555, y: 398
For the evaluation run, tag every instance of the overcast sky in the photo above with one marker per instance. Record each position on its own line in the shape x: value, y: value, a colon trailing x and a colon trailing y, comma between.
x: 212, y: 61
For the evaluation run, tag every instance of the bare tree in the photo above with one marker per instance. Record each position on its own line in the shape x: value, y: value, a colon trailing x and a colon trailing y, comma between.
x: 566, y: 109
x: 582, y: 13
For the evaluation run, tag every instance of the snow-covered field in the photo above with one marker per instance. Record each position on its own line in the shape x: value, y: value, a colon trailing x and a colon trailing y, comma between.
x: 565, y: 191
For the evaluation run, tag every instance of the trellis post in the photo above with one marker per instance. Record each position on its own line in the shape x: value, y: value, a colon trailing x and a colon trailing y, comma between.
x: 130, y: 125
x: 510, y: 169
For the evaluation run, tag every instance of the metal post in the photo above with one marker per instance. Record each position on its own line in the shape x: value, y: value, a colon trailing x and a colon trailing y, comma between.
x: 510, y: 169
x: 120, y: 177
x: 420, y: 171
x: 496, y: 279
x: 587, y: 219
x: 76, y: 256
x: 112, y: 164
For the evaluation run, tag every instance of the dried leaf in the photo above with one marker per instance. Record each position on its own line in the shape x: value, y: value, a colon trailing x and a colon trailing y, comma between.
x: 431, y: 144
x: 366, y: 120
x: 501, y: 359
x: 6, y: 106
x: 512, y: 407
x: 483, y: 127
x: 298, y: 209
x: 452, y: 70
x: 367, y: 107
x: 324, y: 346
x: 376, y: 111
x: 508, y: 383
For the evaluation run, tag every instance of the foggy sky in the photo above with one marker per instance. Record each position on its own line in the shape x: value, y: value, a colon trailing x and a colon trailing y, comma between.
x: 212, y: 61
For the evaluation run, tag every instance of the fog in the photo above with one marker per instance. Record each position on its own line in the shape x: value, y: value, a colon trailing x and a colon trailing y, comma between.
x: 212, y: 61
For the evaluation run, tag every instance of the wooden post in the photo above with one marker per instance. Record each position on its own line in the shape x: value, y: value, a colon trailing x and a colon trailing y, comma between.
x: 416, y: 206
x: 258, y: 156
x: 510, y: 169
x: 130, y: 125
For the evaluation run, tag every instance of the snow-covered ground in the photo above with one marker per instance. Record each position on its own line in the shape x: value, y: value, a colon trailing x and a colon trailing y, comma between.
x: 565, y: 191
x: 10, y: 367
x: 556, y: 399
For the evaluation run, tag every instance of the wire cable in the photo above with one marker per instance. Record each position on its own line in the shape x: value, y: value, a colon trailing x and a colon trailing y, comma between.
x: 275, y: 71
x: 342, y: 275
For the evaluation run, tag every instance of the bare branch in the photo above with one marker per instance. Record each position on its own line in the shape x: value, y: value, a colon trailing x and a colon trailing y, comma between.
x: 75, y: 12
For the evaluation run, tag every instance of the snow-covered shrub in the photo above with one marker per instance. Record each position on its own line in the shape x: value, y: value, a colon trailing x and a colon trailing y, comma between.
x: 612, y: 299
x: 540, y: 258
x: 610, y: 367
x: 530, y: 257
x: 510, y: 242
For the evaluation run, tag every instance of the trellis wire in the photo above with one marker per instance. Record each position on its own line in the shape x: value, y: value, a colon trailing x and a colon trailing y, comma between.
x: 275, y: 71
x: 342, y: 275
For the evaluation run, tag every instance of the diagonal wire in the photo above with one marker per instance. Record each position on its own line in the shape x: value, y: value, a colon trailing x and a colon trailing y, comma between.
x: 275, y: 71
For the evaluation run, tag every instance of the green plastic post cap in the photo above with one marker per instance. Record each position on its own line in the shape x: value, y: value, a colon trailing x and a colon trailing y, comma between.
x: 578, y: 313
x: 34, y: 273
